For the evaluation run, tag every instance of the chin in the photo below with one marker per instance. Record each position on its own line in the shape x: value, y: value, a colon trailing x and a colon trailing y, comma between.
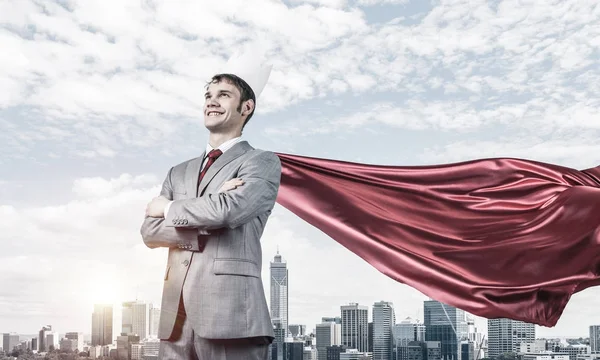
x: 209, y: 123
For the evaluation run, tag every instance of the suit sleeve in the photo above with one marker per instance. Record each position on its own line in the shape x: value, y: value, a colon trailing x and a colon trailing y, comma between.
x: 156, y: 234
x: 261, y: 175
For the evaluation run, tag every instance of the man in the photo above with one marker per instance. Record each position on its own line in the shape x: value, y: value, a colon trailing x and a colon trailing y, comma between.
x: 213, y: 304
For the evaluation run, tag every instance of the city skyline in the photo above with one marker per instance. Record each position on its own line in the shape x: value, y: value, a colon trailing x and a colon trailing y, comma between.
x: 98, y: 100
x: 386, y: 334
x: 506, y: 336
x: 119, y: 322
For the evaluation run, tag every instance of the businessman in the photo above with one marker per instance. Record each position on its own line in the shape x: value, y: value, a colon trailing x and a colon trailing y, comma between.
x: 211, y: 213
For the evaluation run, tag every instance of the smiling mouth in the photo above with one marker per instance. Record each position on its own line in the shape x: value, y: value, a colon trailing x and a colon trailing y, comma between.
x: 213, y: 113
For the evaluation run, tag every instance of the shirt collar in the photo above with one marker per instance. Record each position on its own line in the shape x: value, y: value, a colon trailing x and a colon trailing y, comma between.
x: 225, y: 146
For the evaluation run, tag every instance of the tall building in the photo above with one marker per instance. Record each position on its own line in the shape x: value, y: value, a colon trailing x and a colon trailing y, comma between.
x: 467, y: 350
x: 102, y: 325
x: 68, y: 344
x: 419, y: 350
x: 136, y: 318
x: 355, y: 327
x: 43, y: 345
x: 78, y: 337
x: 9, y: 341
x: 595, y: 338
x: 154, y: 322
x: 297, y: 330
x: 384, y: 320
x: 353, y: 354
x: 448, y: 325
x: 370, y: 337
x: 52, y: 340
x: 327, y: 334
x: 293, y: 350
x: 151, y: 348
x: 408, y: 330
x: 124, y: 343
x: 337, y: 319
x: 479, y: 339
x: 277, y: 344
x: 506, y: 336
x: 279, y: 291
x: 279, y: 303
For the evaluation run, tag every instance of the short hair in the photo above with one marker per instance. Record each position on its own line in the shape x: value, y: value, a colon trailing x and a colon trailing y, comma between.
x: 246, y: 92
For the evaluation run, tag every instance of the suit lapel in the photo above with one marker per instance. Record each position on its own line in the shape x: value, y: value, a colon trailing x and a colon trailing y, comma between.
x: 193, y: 169
x: 192, y: 173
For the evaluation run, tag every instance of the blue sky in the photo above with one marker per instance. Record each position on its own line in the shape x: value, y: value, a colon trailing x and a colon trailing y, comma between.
x: 98, y: 99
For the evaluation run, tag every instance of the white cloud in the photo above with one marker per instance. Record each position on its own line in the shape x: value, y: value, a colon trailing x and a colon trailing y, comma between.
x: 96, y: 76
x: 338, y: 4
x: 90, y: 250
x: 99, y: 187
x: 119, y: 82
x: 573, y: 154
x: 380, y: 2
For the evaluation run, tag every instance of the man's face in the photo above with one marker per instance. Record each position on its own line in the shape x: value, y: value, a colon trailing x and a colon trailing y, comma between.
x: 222, y: 100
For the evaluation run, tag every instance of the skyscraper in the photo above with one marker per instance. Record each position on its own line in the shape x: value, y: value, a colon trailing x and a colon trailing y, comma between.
x: 78, y: 337
x: 595, y: 338
x: 328, y: 333
x: 9, y: 341
x: 337, y: 319
x: 506, y: 336
x: 52, y: 340
x: 279, y: 303
x: 136, y: 318
x: 279, y: 292
x: 408, y: 330
x: 355, y: 326
x: 446, y: 324
x: 43, y: 345
x: 297, y: 329
x: 102, y: 325
x: 384, y: 319
x: 154, y: 322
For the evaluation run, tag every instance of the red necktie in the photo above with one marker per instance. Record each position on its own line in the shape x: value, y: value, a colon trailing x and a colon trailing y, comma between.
x: 212, y: 156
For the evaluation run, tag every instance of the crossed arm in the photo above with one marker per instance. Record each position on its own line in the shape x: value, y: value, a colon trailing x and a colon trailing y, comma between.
x: 225, y: 209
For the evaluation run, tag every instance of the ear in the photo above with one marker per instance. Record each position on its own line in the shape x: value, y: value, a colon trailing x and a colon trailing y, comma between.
x: 248, y: 107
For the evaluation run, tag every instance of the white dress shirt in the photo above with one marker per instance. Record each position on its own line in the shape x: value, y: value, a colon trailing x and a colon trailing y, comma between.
x: 224, y: 147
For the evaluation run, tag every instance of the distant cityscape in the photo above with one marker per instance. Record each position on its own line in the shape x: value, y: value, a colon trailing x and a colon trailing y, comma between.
x: 444, y: 333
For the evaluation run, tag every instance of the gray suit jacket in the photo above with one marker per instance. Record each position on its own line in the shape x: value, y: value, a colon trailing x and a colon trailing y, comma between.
x: 219, y: 274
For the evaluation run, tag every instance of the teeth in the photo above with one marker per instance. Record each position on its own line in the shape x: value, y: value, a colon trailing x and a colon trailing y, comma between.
x: 213, y: 113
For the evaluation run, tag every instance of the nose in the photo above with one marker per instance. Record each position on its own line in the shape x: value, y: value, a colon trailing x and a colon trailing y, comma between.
x: 211, y: 102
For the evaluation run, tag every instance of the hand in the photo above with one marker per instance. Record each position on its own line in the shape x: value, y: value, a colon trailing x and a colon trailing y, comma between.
x: 156, y: 207
x: 231, y: 184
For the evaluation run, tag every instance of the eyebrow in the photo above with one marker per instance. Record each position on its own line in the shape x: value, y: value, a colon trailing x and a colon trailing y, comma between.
x: 219, y: 92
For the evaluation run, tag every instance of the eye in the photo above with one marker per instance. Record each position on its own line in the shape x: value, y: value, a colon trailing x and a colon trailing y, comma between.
x: 225, y: 95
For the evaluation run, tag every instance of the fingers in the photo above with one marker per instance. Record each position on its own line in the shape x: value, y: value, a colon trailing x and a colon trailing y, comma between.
x: 231, y: 184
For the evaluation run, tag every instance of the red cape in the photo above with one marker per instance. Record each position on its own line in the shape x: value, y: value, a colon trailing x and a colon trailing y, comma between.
x: 499, y: 238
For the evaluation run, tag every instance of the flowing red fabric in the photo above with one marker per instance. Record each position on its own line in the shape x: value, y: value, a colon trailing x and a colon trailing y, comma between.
x: 499, y: 238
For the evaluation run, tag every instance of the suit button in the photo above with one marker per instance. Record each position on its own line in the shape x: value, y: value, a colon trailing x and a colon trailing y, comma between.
x: 186, y: 263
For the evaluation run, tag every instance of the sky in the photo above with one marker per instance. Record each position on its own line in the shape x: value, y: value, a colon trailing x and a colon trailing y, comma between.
x: 98, y: 99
